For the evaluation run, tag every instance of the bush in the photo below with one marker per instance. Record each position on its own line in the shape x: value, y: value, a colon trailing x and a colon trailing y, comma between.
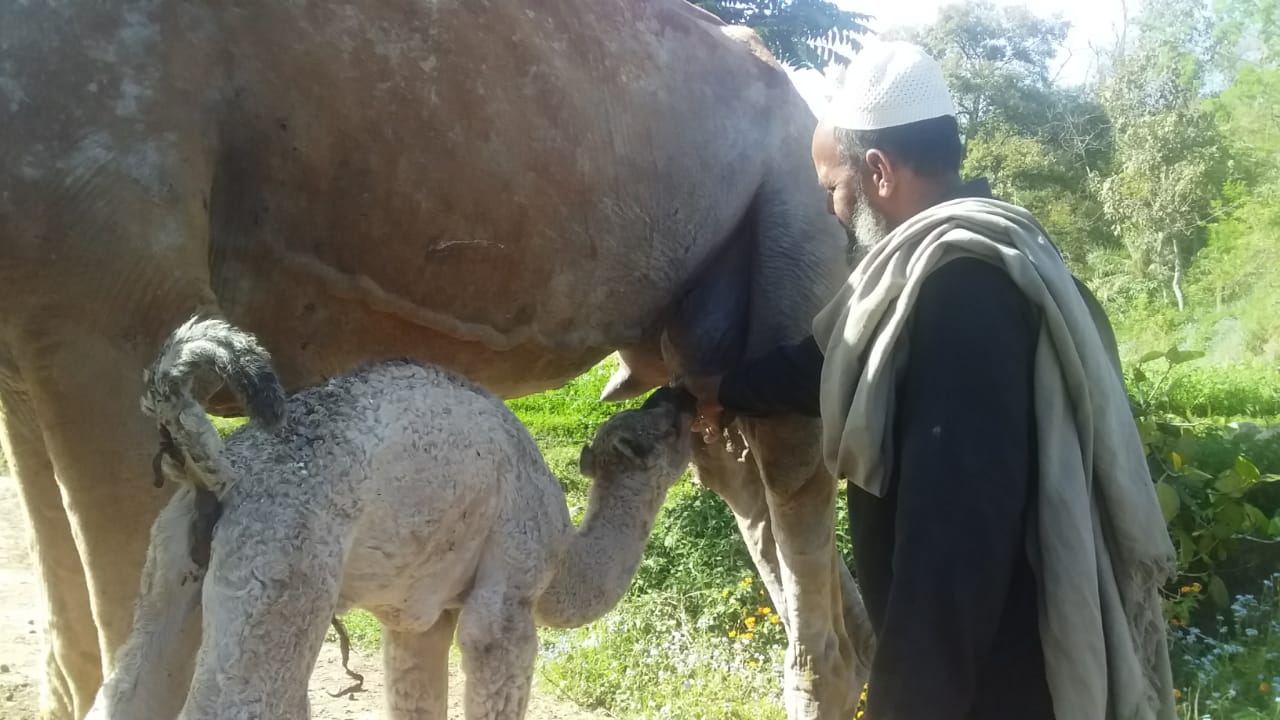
x: 1217, y: 502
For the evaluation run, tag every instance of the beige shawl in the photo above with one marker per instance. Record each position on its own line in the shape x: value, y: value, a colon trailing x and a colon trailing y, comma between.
x: 1097, y: 540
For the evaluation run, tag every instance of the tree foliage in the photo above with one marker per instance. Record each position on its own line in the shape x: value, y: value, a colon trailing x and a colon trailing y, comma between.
x: 800, y: 33
x: 1038, y: 144
x: 1131, y: 173
x: 996, y: 61
x: 1170, y: 157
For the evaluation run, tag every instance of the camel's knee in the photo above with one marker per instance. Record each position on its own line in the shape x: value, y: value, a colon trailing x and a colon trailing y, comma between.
x: 788, y: 451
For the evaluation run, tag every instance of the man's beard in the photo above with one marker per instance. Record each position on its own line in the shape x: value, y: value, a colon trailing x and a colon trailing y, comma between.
x: 865, y: 229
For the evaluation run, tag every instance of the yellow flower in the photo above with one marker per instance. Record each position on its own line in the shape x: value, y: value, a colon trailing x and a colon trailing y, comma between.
x: 724, y: 594
x: 1265, y: 687
x: 733, y: 633
x: 764, y: 611
x: 1177, y: 694
x: 748, y: 636
x: 1195, y: 587
x: 751, y: 623
x: 1184, y: 590
x: 774, y: 619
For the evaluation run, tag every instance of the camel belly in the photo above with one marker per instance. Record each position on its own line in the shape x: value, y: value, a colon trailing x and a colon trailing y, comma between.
x: 513, y: 209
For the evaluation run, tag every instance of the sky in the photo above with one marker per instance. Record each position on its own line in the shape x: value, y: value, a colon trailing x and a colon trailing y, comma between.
x: 1095, y: 22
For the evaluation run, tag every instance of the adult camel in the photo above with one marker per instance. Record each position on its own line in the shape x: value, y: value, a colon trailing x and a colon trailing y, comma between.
x: 512, y: 190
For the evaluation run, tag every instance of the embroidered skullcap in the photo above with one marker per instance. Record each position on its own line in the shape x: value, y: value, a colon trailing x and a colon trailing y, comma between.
x: 887, y: 84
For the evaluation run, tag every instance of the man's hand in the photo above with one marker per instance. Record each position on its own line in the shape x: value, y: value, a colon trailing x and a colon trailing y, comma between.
x: 707, y: 391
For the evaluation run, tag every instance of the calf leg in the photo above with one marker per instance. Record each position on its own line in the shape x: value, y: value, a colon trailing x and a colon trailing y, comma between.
x: 153, y: 667
x: 416, y: 665
x: 269, y: 596
x: 499, y: 644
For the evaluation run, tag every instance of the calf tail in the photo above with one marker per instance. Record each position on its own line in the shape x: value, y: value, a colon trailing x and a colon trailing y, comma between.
x: 195, y: 360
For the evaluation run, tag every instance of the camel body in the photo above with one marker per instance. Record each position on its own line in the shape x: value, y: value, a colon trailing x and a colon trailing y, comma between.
x: 508, y: 190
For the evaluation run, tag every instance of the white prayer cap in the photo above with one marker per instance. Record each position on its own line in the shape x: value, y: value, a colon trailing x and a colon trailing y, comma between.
x: 889, y: 83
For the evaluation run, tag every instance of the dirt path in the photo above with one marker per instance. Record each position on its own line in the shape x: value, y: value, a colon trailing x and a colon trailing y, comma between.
x: 20, y: 620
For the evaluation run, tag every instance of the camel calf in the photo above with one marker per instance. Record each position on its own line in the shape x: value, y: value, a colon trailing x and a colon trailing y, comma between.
x: 397, y: 488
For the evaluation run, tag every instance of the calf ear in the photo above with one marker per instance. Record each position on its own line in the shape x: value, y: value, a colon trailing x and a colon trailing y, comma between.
x: 587, y: 461
x: 633, y: 447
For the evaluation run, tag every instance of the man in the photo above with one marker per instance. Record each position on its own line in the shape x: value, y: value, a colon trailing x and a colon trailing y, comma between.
x: 1006, y: 533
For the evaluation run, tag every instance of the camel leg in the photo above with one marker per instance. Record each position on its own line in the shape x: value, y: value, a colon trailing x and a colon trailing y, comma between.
x: 738, y: 483
x: 499, y: 644
x: 71, y: 670
x: 140, y: 250
x: 821, y: 670
x: 85, y: 390
x: 416, y: 665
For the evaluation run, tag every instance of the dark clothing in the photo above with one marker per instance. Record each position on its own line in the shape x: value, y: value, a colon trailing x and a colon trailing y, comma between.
x: 784, y: 380
x: 942, y: 557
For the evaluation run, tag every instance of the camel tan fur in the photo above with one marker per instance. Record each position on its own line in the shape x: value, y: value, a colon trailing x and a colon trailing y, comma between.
x: 398, y: 488
x: 509, y: 190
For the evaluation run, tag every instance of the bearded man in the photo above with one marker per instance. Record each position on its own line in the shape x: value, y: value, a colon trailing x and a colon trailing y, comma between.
x: 1006, y: 532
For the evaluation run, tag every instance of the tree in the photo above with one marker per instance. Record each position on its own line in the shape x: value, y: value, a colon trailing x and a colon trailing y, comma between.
x: 1171, y: 161
x: 800, y: 33
x: 1038, y: 144
x: 996, y: 61
x: 1029, y: 172
x: 1248, y: 33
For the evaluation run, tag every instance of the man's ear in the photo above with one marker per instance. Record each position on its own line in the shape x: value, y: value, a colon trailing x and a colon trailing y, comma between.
x: 882, y: 171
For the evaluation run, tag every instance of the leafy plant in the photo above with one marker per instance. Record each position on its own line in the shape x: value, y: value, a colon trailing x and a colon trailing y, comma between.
x: 1207, y: 507
x: 1233, y: 670
x: 800, y: 33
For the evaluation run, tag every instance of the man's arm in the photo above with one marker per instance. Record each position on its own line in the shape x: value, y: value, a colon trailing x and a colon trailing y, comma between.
x: 965, y: 458
x: 783, y: 380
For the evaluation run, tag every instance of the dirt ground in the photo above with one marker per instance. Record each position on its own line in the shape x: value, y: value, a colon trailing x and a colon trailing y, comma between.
x: 20, y: 623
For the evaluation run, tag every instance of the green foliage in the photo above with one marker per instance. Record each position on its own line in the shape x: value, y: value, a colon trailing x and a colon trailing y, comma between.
x: 226, y: 426
x: 800, y: 33
x: 644, y: 660
x: 1038, y: 145
x: 1247, y: 113
x: 996, y: 60
x: 1032, y: 172
x: 363, y: 630
x: 1206, y: 484
x: 1247, y: 33
x: 572, y: 413
x: 1232, y: 671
